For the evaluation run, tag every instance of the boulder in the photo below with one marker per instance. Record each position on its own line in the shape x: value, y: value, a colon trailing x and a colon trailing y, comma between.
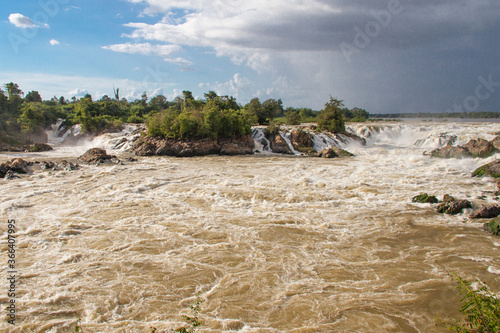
x: 480, y: 148
x: 341, y: 152
x: 486, y: 212
x: 279, y: 145
x: 449, y: 151
x: 17, y: 165
x: 452, y: 206
x: 425, y: 198
x: 40, y: 147
x: 491, y: 169
x: 493, y: 227
x: 301, y: 139
x: 95, y: 155
x: 327, y: 153
x: 496, y: 142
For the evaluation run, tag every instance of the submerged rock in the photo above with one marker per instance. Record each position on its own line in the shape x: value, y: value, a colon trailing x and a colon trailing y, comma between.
x: 333, y: 152
x: 473, y: 148
x: 493, y: 227
x: 496, y: 142
x: 425, y: 198
x: 491, y: 169
x: 486, y: 212
x: 452, y: 206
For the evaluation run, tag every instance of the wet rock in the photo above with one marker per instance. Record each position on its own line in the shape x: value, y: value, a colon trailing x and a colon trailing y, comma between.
x: 452, y: 206
x: 327, y: 153
x: 341, y: 152
x: 496, y: 142
x: 95, y: 155
x: 40, y: 147
x: 491, y: 169
x: 480, y: 148
x: 425, y: 198
x: 17, y: 165
x: 300, y: 139
x: 279, y: 145
x: 493, y: 227
x: 47, y: 165
x: 450, y: 152
x: 68, y: 166
x: 486, y: 212
x: 10, y: 175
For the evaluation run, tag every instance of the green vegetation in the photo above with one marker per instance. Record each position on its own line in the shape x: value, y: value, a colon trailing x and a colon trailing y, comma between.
x: 425, y: 198
x: 24, y: 117
x: 331, y: 119
x: 480, y: 307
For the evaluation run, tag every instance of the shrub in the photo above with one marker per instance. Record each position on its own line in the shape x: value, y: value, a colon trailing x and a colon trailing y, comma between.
x: 481, y: 308
x: 331, y: 118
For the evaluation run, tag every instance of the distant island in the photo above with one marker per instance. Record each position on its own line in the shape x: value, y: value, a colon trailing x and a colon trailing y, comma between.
x: 25, y: 118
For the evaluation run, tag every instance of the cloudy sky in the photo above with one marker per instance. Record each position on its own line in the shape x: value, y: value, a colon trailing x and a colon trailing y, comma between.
x: 381, y: 55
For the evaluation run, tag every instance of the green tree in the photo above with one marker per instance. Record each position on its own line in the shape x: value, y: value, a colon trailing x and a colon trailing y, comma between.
x: 293, y: 118
x: 31, y: 118
x: 33, y: 96
x: 331, y: 118
x: 158, y: 103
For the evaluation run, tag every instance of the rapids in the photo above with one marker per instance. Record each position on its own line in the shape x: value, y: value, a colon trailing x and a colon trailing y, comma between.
x: 271, y: 243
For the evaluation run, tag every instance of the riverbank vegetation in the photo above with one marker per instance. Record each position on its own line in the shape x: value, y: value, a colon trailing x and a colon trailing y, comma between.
x: 26, y: 116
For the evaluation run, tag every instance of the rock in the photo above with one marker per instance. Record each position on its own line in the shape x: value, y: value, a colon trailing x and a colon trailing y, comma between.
x: 480, y: 148
x: 452, y: 206
x: 493, y: 227
x: 47, y: 165
x: 491, y: 169
x: 301, y: 139
x: 16, y: 165
x: 496, y: 142
x: 68, y: 166
x: 450, y: 152
x: 327, y: 153
x: 40, y: 147
x: 425, y: 198
x: 149, y: 146
x: 10, y: 175
x: 341, y: 152
x: 95, y: 155
x: 486, y: 212
x: 279, y: 145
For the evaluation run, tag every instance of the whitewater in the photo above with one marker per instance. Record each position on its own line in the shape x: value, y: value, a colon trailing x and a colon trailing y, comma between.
x: 270, y: 243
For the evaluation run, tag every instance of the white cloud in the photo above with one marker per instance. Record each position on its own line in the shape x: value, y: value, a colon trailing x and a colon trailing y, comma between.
x: 54, y: 42
x: 165, y: 51
x: 21, y: 21
x: 236, y: 87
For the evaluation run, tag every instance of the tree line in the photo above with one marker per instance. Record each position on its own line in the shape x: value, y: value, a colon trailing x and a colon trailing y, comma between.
x: 184, y: 117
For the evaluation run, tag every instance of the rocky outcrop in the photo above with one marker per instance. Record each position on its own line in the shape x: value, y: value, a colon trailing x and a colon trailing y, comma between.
x: 496, y: 142
x: 302, y: 141
x: 16, y: 165
x: 452, y: 206
x: 425, y: 198
x: 40, y: 147
x: 491, y: 169
x: 278, y: 144
x: 333, y: 152
x: 97, y: 156
x: 473, y: 148
x: 149, y: 146
x: 486, y: 212
x: 450, y: 151
x: 480, y: 148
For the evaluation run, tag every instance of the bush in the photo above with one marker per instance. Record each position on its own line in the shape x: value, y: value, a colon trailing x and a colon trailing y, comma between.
x: 481, y: 308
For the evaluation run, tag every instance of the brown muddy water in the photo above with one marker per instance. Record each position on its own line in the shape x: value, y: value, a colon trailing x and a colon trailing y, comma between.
x: 270, y: 243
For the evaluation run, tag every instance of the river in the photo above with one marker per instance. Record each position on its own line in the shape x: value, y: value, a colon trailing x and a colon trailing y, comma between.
x: 269, y: 243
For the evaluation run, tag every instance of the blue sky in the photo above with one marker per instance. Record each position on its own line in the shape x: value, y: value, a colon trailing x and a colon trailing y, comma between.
x: 381, y: 55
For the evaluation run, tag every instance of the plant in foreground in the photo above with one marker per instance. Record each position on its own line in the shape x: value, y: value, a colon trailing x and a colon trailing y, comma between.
x: 480, y: 306
x: 192, y: 321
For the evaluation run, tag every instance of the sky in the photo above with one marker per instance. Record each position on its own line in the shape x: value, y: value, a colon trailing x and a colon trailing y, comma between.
x: 385, y: 56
